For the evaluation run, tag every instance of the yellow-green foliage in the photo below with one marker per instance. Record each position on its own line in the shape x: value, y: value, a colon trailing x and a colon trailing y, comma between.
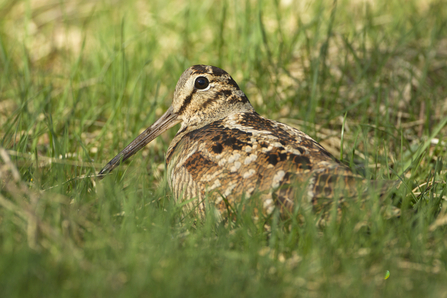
x: 79, y: 79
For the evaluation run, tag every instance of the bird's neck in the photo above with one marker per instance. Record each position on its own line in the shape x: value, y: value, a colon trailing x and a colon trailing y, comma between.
x: 204, y: 117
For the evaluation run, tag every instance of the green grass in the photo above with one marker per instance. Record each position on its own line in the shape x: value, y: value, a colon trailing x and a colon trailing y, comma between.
x: 80, y: 79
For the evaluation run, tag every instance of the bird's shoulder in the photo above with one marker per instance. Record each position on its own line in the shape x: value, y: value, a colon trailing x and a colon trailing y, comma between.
x: 247, y: 142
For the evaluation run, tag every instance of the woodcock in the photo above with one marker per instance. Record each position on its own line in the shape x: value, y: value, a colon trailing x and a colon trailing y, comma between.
x: 225, y: 153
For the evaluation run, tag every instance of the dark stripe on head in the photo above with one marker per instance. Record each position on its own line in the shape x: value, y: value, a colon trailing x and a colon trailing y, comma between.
x: 243, y: 99
x: 217, y: 71
x: 233, y: 99
x: 186, y: 102
x: 199, y: 68
x: 227, y: 93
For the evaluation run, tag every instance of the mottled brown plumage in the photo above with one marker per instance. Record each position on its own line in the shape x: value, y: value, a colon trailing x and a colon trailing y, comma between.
x: 225, y: 151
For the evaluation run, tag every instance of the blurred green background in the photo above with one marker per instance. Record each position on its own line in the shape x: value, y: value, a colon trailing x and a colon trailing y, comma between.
x: 80, y: 79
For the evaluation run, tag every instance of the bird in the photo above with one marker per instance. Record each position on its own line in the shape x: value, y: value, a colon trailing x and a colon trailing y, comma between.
x: 225, y: 154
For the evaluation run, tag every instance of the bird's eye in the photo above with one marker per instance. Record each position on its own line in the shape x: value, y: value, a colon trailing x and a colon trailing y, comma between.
x: 201, y: 83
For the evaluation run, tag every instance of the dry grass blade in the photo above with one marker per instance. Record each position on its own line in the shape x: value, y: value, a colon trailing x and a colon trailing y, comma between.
x: 18, y: 198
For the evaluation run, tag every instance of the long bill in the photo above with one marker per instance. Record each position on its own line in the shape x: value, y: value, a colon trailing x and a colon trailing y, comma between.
x: 168, y: 120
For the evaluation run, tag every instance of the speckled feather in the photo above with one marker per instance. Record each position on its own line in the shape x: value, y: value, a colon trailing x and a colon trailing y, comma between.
x: 245, y: 153
x: 224, y: 151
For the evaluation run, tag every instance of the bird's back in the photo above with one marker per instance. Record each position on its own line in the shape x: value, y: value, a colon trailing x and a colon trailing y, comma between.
x: 245, y: 154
